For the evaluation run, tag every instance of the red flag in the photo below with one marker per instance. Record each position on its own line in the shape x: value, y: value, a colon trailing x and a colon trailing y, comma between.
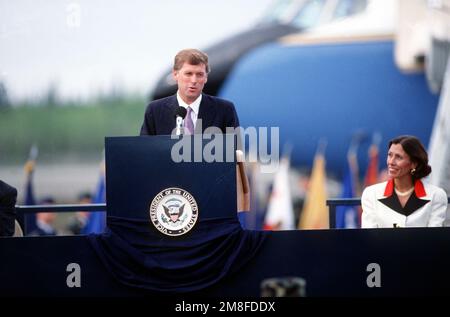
x: 372, y: 168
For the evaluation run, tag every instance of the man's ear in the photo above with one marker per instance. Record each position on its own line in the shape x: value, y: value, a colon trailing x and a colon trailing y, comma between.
x: 175, y: 75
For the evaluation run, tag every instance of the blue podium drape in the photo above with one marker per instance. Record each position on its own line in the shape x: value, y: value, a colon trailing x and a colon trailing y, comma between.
x: 139, y: 256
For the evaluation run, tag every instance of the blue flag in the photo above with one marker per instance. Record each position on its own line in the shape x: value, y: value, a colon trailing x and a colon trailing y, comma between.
x: 97, y: 220
x: 29, y: 220
x: 347, y: 216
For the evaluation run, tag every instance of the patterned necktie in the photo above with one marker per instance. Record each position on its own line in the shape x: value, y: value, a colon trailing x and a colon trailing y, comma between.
x: 188, y: 124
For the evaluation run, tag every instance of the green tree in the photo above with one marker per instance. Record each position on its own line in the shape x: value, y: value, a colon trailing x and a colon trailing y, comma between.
x: 51, y: 98
x: 4, y: 100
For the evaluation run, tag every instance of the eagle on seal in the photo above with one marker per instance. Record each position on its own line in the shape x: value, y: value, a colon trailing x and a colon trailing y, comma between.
x: 174, y: 212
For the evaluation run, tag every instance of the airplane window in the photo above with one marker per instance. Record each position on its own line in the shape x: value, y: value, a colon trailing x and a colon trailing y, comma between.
x: 346, y: 8
x: 309, y: 15
x: 279, y: 11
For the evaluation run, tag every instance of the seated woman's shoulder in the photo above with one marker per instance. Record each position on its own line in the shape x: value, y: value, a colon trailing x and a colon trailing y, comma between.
x: 435, y: 191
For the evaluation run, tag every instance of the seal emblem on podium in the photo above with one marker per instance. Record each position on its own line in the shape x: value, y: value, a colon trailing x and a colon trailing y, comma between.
x: 174, y: 211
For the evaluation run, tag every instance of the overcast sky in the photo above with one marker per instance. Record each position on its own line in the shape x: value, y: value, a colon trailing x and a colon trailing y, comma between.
x: 87, y: 46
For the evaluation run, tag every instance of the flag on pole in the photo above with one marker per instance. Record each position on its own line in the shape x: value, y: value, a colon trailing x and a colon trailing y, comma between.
x: 280, y: 213
x: 29, y: 220
x: 372, y: 168
x: 372, y: 174
x: 315, y: 211
x: 348, y: 216
x: 96, y: 221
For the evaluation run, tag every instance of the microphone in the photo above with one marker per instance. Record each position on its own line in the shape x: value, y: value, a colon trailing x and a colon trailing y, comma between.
x: 179, y: 116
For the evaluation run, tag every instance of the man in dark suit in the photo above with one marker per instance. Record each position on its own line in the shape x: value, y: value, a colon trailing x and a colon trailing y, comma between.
x: 8, y: 197
x: 190, y: 71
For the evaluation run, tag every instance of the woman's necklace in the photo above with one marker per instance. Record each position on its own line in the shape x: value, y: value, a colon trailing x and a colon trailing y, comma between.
x: 403, y: 194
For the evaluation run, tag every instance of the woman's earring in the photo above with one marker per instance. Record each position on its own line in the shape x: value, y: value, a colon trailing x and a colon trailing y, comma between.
x: 413, y: 171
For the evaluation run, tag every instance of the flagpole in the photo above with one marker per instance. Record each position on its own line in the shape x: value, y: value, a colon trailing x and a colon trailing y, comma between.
x: 28, y: 222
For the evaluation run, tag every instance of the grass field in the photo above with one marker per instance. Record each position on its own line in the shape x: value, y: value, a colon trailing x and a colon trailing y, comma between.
x: 67, y: 130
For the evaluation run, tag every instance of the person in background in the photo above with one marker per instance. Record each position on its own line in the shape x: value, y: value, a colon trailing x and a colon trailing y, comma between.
x: 45, y: 220
x: 404, y: 200
x: 79, y: 221
x: 8, y: 198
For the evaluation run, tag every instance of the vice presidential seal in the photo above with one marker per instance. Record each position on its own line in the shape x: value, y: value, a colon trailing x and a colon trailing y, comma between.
x: 174, y: 211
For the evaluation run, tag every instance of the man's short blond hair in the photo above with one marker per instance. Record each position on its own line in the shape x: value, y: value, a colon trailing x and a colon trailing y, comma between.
x: 191, y: 56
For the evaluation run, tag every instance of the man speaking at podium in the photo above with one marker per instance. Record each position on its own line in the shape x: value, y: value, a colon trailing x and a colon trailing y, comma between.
x: 190, y: 71
x: 137, y: 255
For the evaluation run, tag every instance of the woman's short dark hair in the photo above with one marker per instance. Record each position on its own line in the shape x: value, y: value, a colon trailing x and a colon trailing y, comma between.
x: 417, y: 153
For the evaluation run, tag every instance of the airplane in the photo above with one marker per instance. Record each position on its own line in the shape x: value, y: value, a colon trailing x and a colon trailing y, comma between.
x: 282, y: 17
x: 352, y: 75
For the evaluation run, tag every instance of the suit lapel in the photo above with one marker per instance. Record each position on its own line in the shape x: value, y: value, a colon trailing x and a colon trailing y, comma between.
x: 206, y: 112
x: 411, y: 205
x: 392, y: 202
x: 169, y: 112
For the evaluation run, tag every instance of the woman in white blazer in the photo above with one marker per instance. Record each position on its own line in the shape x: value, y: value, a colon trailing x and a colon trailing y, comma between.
x: 404, y: 200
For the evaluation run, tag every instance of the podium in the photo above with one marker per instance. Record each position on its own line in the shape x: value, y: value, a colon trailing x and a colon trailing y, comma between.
x: 140, y: 168
x: 215, y: 257
x: 172, y: 222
